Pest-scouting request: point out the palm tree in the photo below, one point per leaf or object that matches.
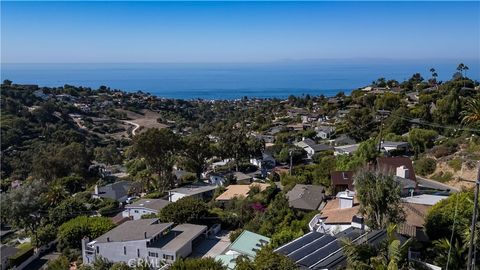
(446, 253)
(434, 76)
(391, 254)
(462, 68)
(55, 194)
(471, 115)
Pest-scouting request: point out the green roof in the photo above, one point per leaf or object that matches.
(248, 243)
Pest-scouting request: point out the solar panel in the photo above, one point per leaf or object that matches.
(299, 242)
(320, 254)
(311, 247)
(331, 262)
(350, 233)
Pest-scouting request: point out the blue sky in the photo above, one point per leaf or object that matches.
(111, 32)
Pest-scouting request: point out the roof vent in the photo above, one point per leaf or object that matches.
(108, 239)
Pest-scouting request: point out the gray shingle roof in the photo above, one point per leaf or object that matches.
(308, 197)
(115, 190)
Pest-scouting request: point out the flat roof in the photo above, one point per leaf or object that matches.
(179, 236)
(134, 230)
(154, 204)
(193, 189)
(425, 199)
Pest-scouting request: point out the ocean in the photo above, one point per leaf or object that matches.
(232, 80)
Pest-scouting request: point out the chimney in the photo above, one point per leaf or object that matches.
(403, 172)
(346, 199)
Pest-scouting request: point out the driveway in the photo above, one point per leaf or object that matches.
(213, 246)
(434, 184)
(42, 261)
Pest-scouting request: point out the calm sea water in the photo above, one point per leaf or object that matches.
(230, 81)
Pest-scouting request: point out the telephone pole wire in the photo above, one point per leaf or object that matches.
(471, 255)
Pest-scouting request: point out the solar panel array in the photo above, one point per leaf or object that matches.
(317, 250)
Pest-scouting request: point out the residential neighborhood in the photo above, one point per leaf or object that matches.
(304, 182)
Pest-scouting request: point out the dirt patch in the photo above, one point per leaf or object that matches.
(466, 172)
(145, 121)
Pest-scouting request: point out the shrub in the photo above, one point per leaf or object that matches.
(443, 150)
(60, 263)
(22, 255)
(154, 195)
(185, 210)
(425, 166)
(443, 176)
(71, 232)
(456, 164)
(198, 263)
(235, 234)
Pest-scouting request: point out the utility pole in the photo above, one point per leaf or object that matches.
(471, 254)
(381, 113)
(290, 169)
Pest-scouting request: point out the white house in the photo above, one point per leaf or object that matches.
(324, 132)
(218, 179)
(199, 191)
(389, 146)
(143, 239)
(144, 207)
(338, 215)
(311, 147)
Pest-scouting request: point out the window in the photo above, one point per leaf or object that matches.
(168, 257)
(98, 249)
(136, 211)
(124, 250)
(153, 254)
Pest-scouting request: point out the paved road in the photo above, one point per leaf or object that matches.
(434, 184)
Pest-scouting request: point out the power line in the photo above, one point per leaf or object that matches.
(422, 122)
(453, 230)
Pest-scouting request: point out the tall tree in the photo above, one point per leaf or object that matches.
(22, 206)
(197, 150)
(237, 145)
(379, 197)
(421, 139)
(158, 148)
(471, 114)
(434, 73)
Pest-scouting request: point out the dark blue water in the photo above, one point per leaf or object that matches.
(229, 81)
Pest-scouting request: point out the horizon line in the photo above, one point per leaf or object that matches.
(285, 60)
